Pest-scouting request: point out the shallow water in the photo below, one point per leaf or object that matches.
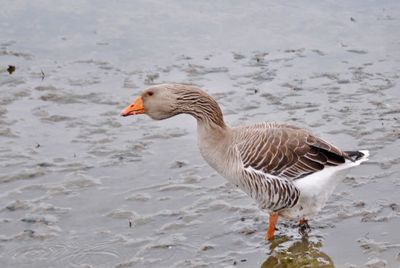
(75, 175)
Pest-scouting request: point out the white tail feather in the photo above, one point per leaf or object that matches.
(316, 188)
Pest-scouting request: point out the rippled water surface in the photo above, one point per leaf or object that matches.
(83, 187)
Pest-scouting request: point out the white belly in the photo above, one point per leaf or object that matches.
(316, 189)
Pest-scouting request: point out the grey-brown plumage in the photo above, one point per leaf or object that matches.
(280, 154)
(286, 169)
(286, 151)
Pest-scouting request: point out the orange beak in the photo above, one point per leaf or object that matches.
(135, 108)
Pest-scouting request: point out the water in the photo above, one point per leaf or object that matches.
(74, 174)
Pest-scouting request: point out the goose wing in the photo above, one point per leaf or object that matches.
(286, 151)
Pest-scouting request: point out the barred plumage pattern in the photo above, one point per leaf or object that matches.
(286, 151)
(273, 155)
(198, 104)
(270, 192)
(263, 159)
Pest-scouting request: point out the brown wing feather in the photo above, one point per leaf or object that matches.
(287, 151)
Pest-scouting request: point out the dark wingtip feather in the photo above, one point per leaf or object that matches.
(354, 155)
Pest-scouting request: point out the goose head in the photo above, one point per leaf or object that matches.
(167, 100)
(159, 102)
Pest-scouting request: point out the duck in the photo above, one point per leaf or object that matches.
(286, 169)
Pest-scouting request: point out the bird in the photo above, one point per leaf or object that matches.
(286, 169)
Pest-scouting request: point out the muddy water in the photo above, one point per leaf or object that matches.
(83, 187)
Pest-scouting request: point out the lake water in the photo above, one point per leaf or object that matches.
(81, 186)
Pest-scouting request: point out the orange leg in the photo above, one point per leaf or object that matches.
(273, 218)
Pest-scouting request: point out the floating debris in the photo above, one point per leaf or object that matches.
(179, 164)
(207, 247)
(11, 69)
(150, 78)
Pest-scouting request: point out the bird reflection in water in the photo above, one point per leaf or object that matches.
(299, 253)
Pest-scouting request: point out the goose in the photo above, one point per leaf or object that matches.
(286, 169)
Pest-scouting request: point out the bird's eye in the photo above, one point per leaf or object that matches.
(150, 93)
